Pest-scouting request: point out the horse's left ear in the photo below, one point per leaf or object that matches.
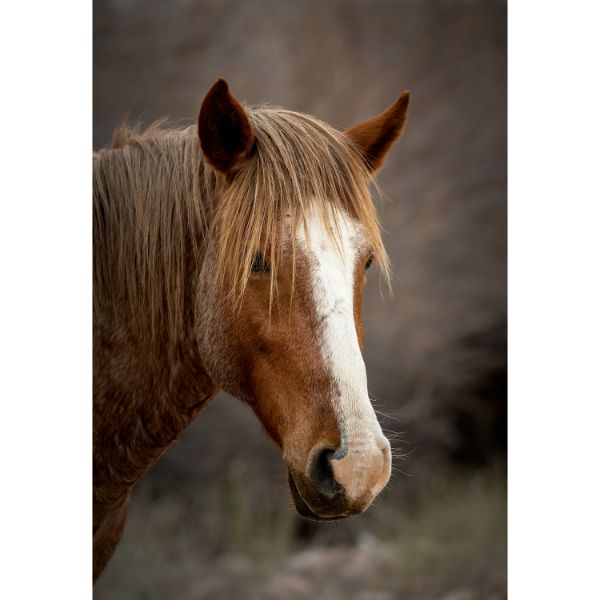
(226, 135)
(376, 135)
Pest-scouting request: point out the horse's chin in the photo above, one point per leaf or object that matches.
(304, 509)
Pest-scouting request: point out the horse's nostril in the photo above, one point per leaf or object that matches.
(320, 473)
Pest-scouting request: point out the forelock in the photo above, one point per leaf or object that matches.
(299, 166)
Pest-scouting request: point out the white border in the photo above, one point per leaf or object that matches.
(554, 299)
(45, 311)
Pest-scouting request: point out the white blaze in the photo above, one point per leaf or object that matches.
(332, 268)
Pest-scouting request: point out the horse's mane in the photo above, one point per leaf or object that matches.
(156, 202)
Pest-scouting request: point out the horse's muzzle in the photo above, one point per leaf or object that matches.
(336, 485)
(321, 508)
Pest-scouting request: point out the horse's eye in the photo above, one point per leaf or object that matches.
(259, 264)
(369, 263)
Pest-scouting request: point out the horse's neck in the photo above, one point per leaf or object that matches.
(145, 393)
(145, 396)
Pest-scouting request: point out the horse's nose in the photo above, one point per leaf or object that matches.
(357, 475)
(364, 470)
(320, 473)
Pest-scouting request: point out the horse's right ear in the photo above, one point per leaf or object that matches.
(226, 135)
(375, 136)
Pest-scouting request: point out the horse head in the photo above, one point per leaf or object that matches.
(279, 296)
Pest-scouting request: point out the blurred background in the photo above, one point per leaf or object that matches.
(213, 519)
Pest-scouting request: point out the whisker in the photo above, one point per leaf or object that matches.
(396, 470)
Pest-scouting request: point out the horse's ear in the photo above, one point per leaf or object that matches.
(226, 135)
(376, 135)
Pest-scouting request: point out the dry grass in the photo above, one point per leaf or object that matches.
(424, 539)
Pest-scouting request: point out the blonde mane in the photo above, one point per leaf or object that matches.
(157, 203)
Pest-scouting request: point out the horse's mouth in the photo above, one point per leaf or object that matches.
(302, 507)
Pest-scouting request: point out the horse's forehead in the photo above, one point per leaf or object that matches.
(333, 263)
(337, 240)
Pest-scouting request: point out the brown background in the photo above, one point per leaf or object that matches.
(212, 519)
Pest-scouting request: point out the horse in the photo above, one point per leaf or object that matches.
(232, 255)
